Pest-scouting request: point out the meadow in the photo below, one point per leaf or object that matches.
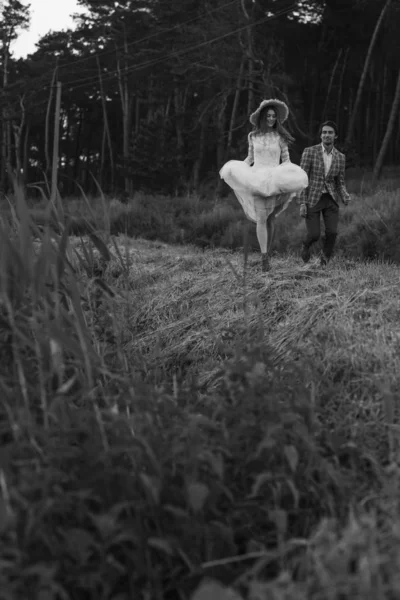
(175, 424)
(369, 226)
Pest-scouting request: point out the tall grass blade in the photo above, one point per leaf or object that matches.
(100, 245)
(106, 210)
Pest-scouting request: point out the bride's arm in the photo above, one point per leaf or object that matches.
(250, 155)
(284, 151)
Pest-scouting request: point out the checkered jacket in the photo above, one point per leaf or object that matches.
(312, 163)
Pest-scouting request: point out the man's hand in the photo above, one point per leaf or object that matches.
(303, 210)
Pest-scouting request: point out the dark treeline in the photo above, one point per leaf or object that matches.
(156, 94)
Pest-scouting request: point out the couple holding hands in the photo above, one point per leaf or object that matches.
(266, 181)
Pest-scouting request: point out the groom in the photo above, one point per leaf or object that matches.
(325, 167)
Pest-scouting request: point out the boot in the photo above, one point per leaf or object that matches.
(329, 244)
(265, 264)
(305, 253)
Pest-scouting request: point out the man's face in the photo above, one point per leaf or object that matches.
(328, 135)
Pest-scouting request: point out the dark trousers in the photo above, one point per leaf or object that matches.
(330, 214)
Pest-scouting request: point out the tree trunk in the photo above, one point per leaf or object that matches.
(18, 130)
(377, 110)
(294, 125)
(102, 157)
(267, 74)
(340, 92)
(315, 87)
(235, 104)
(9, 145)
(382, 106)
(250, 56)
(328, 93)
(221, 130)
(167, 108)
(4, 124)
(180, 108)
(397, 143)
(47, 126)
(351, 100)
(360, 89)
(137, 114)
(25, 160)
(200, 154)
(221, 141)
(77, 159)
(150, 100)
(106, 135)
(66, 185)
(368, 128)
(126, 105)
(389, 130)
(316, 84)
(250, 97)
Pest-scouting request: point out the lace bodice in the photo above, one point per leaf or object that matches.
(266, 150)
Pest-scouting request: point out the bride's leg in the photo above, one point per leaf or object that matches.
(270, 231)
(271, 222)
(262, 236)
(261, 229)
(261, 223)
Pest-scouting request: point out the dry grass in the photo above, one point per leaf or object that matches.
(183, 303)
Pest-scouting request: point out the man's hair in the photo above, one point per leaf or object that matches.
(329, 124)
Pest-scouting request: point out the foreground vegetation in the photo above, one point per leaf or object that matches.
(174, 424)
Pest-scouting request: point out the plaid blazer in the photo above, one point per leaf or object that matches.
(312, 163)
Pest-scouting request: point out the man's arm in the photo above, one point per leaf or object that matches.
(305, 164)
(340, 181)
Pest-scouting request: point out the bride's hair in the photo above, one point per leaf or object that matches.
(261, 126)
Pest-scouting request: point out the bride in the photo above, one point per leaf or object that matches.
(263, 185)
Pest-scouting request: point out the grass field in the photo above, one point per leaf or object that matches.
(369, 227)
(175, 424)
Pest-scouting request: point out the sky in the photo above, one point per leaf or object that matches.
(46, 15)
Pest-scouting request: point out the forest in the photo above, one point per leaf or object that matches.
(175, 423)
(156, 94)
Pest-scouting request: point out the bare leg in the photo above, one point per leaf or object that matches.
(262, 231)
(270, 231)
(262, 236)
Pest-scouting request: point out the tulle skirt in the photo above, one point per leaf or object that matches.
(262, 190)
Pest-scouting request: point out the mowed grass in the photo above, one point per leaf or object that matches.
(188, 311)
(176, 424)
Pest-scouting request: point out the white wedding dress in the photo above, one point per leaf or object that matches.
(262, 179)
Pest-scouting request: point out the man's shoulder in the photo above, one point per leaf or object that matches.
(340, 154)
(312, 148)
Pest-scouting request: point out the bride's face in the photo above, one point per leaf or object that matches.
(268, 117)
